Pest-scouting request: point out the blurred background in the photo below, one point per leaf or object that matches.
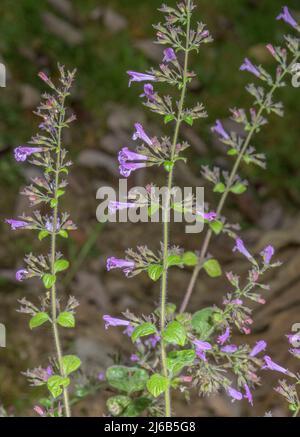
(103, 39)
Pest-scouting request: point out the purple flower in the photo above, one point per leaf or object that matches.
(116, 206)
(234, 394)
(267, 254)
(16, 224)
(126, 169)
(127, 155)
(112, 321)
(248, 66)
(248, 394)
(140, 77)
(128, 331)
(21, 153)
(20, 275)
(148, 91)
(49, 225)
(240, 247)
(101, 376)
(218, 128)
(169, 55)
(152, 341)
(39, 410)
(141, 134)
(210, 216)
(286, 16)
(202, 345)
(259, 347)
(295, 352)
(49, 371)
(116, 263)
(293, 338)
(134, 358)
(201, 355)
(224, 337)
(273, 366)
(229, 349)
(271, 50)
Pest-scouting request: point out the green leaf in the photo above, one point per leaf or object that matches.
(168, 165)
(56, 383)
(49, 280)
(38, 320)
(168, 118)
(66, 319)
(60, 265)
(200, 322)
(153, 208)
(157, 384)
(143, 330)
(219, 188)
(53, 203)
(137, 407)
(127, 379)
(189, 259)
(60, 193)
(43, 234)
(212, 268)
(175, 333)
(232, 152)
(174, 260)
(63, 233)
(238, 188)
(70, 363)
(177, 360)
(189, 120)
(117, 404)
(155, 271)
(216, 226)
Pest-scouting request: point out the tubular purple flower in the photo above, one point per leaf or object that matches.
(17, 224)
(259, 347)
(240, 247)
(169, 55)
(273, 366)
(20, 275)
(119, 206)
(127, 155)
(267, 254)
(202, 345)
(286, 16)
(129, 330)
(219, 129)
(248, 394)
(39, 410)
(140, 77)
(210, 216)
(229, 349)
(271, 50)
(134, 358)
(112, 321)
(148, 91)
(116, 263)
(224, 337)
(127, 168)
(49, 224)
(293, 338)
(21, 153)
(152, 341)
(234, 394)
(248, 66)
(295, 352)
(141, 134)
(200, 354)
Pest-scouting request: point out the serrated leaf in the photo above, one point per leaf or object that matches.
(38, 320)
(216, 226)
(43, 234)
(168, 118)
(175, 333)
(63, 233)
(174, 260)
(212, 268)
(200, 322)
(177, 360)
(60, 265)
(219, 188)
(56, 383)
(66, 319)
(127, 379)
(70, 364)
(189, 259)
(146, 328)
(155, 271)
(49, 280)
(136, 407)
(238, 188)
(157, 384)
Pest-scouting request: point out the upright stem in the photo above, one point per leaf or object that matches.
(53, 258)
(166, 209)
(221, 204)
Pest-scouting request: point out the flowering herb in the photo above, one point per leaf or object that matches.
(47, 152)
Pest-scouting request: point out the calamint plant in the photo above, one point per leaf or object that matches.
(178, 350)
(46, 151)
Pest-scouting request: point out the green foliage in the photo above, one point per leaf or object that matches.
(70, 364)
(127, 379)
(56, 383)
(177, 360)
(38, 320)
(66, 319)
(175, 333)
(155, 271)
(201, 322)
(60, 265)
(157, 384)
(143, 330)
(212, 268)
(190, 259)
(49, 280)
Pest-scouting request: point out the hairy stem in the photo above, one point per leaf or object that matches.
(166, 215)
(53, 258)
(227, 191)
